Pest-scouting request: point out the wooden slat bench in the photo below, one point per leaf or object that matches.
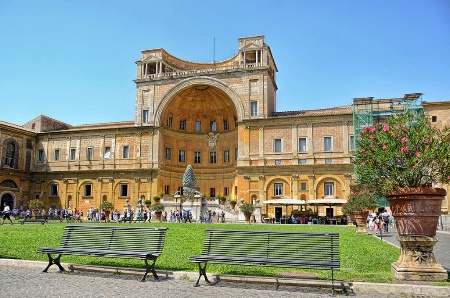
(34, 219)
(263, 248)
(109, 241)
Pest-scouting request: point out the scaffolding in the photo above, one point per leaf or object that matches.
(368, 111)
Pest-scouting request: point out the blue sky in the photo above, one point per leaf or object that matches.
(74, 60)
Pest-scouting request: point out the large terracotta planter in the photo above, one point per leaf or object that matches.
(35, 212)
(416, 211)
(158, 215)
(247, 217)
(361, 221)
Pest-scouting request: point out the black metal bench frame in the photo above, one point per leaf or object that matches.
(34, 219)
(109, 241)
(264, 248)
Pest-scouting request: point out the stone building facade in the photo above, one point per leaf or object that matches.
(219, 117)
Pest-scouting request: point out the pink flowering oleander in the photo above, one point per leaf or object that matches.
(404, 152)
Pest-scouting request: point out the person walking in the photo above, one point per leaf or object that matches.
(6, 213)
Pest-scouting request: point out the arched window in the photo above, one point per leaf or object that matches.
(10, 154)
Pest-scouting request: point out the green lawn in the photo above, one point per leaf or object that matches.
(363, 257)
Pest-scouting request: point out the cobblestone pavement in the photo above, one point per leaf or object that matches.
(31, 282)
(441, 249)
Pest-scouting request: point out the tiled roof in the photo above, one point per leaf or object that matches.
(343, 110)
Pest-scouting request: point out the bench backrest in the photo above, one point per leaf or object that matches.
(313, 247)
(136, 239)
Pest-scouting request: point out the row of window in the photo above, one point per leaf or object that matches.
(198, 155)
(89, 153)
(87, 190)
(123, 189)
(328, 188)
(197, 124)
(302, 145)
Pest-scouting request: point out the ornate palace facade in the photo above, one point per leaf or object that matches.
(219, 117)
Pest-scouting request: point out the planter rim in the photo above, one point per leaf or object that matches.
(418, 190)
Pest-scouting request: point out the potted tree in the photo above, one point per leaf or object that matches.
(404, 160)
(107, 207)
(222, 200)
(158, 208)
(36, 206)
(156, 199)
(359, 203)
(148, 202)
(233, 204)
(247, 209)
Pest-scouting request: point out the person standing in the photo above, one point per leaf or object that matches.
(6, 213)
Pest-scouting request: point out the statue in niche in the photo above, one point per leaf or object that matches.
(70, 204)
(212, 140)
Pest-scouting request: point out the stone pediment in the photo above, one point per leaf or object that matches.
(250, 46)
(151, 59)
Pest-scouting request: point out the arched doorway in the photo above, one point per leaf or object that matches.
(8, 199)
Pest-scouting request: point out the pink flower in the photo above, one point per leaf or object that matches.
(448, 177)
(404, 149)
(385, 128)
(426, 141)
(404, 140)
(372, 137)
(372, 129)
(416, 165)
(417, 154)
(437, 129)
(384, 147)
(361, 150)
(363, 163)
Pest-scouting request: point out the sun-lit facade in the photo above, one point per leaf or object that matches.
(219, 117)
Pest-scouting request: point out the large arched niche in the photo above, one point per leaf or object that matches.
(200, 95)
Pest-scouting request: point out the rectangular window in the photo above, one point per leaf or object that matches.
(198, 126)
(197, 157)
(41, 155)
(226, 191)
(212, 192)
(277, 145)
(166, 189)
(329, 188)
(226, 126)
(302, 144)
(302, 161)
(213, 126)
(327, 144)
(236, 153)
(53, 190)
(183, 125)
(126, 152)
(278, 189)
(433, 118)
(169, 121)
(123, 190)
(168, 153)
(328, 160)
(90, 153)
(303, 186)
(351, 143)
(73, 153)
(226, 156)
(144, 116)
(56, 154)
(107, 153)
(181, 155)
(278, 162)
(88, 190)
(253, 108)
(212, 157)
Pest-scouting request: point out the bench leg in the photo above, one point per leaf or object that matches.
(55, 261)
(150, 268)
(202, 272)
